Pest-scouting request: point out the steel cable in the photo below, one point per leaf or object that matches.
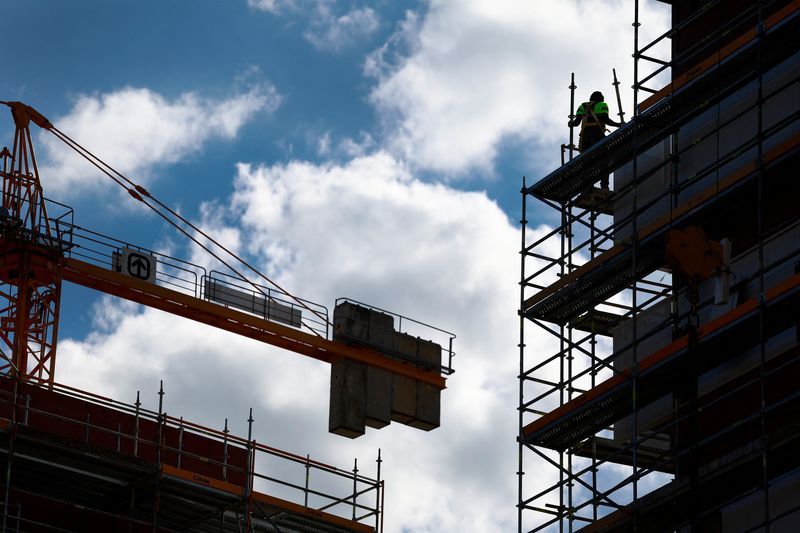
(140, 193)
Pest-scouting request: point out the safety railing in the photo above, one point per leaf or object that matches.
(265, 302)
(414, 328)
(240, 465)
(194, 280)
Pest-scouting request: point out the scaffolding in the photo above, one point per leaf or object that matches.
(657, 398)
(75, 461)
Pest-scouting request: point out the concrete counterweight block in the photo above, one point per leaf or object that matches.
(381, 330)
(348, 398)
(362, 395)
(415, 403)
(428, 409)
(404, 389)
(354, 323)
(351, 322)
(379, 397)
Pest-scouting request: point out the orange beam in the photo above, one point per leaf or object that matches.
(212, 314)
(661, 355)
(186, 475)
(282, 505)
(319, 515)
(718, 56)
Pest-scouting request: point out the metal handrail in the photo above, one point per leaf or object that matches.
(440, 336)
(365, 484)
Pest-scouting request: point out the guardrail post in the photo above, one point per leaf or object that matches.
(136, 427)
(159, 421)
(248, 482)
(355, 485)
(308, 475)
(378, 510)
(180, 442)
(225, 451)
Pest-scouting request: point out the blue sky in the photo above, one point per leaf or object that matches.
(349, 148)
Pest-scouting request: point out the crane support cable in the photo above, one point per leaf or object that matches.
(140, 193)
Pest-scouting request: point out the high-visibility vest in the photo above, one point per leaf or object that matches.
(588, 109)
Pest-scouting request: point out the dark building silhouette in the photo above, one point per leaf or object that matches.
(669, 397)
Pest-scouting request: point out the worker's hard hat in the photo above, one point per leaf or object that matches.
(597, 96)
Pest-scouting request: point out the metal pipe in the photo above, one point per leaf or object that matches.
(180, 442)
(136, 427)
(355, 485)
(159, 424)
(308, 475)
(225, 452)
(378, 494)
(250, 469)
(621, 113)
(572, 88)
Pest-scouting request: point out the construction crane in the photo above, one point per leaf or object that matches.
(379, 373)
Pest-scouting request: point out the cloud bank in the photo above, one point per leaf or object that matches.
(369, 230)
(137, 130)
(330, 28)
(456, 84)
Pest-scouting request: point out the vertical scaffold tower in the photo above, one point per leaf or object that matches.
(659, 321)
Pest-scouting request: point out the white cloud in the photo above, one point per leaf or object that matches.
(329, 28)
(135, 130)
(331, 32)
(324, 144)
(455, 85)
(272, 6)
(369, 230)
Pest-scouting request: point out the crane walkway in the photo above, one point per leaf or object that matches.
(245, 324)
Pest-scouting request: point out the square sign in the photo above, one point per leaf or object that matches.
(137, 265)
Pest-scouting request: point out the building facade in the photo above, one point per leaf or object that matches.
(667, 399)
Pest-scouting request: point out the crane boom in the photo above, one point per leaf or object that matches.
(247, 325)
(379, 373)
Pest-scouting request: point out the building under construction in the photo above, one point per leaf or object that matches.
(75, 461)
(669, 399)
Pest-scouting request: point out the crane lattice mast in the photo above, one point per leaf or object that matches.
(31, 260)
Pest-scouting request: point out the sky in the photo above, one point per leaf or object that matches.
(367, 149)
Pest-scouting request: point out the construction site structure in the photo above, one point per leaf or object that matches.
(42, 246)
(77, 462)
(669, 395)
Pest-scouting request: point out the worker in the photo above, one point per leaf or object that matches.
(592, 116)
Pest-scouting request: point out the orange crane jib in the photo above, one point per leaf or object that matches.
(35, 258)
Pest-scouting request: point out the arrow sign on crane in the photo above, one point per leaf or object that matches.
(136, 264)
